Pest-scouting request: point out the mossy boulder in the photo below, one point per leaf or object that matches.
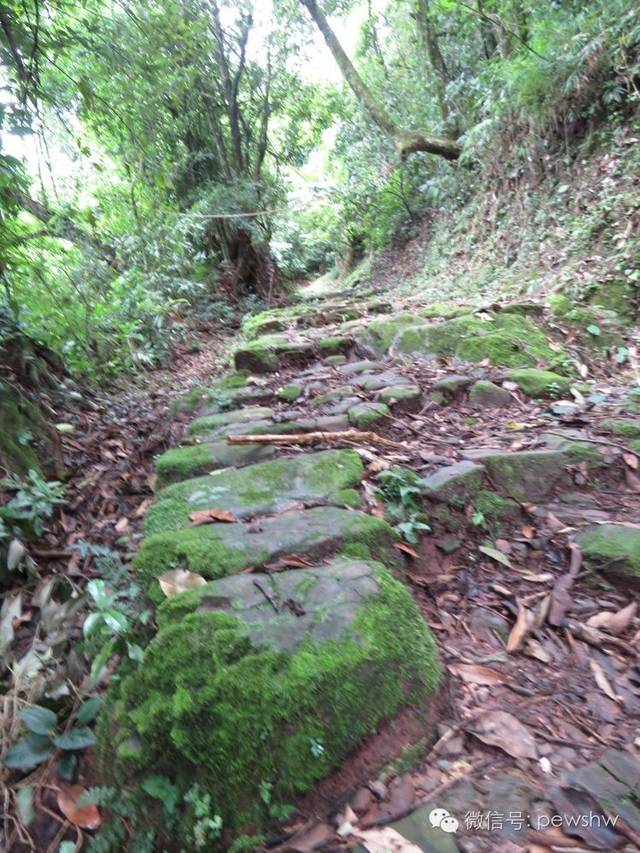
(539, 383)
(402, 398)
(290, 393)
(367, 415)
(487, 395)
(528, 475)
(494, 507)
(228, 392)
(380, 334)
(364, 366)
(335, 394)
(215, 550)
(269, 680)
(209, 423)
(598, 328)
(182, 463)
(377, 381)
(503, 339)
(627, 427)
(450, 386)
(329, 476)
(612, 548)
(270, 352)
(455, 484)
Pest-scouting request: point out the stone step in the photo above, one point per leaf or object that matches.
(183, 463)
(270, 680)
(270, 353)
(214, 550)
(327, 477)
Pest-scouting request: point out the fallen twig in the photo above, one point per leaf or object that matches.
(352, 435)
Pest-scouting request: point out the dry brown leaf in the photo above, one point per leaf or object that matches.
(520, 630)
(614, 622)
(208, 516)
(402, 546)
(295, 561)
(631, 460)
(476, 674)
(536, 650)
(528, 531)
(179, 580)
(601, 680)
(498, 728)
(86, 817)
(123, 525)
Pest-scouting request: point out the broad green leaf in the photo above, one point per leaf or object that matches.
(39, 720)
(88, 711)
(24, 802)
(67, 766)
(29, 752)
(78, 738)
(496, 555)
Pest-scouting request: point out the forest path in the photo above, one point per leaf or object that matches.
(525, 496)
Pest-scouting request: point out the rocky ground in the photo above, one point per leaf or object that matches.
(395, 560)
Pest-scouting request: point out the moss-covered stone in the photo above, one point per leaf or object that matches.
(612, 548)
(404, 398)
(290, 392)
(267, 353)
(209, 423)
(236, 696)
(598, 328)
(364, 366)
(527, 475)
(268, 487)
(367, 415)
(494, 507)
(616, 296)
(22, 430)
(504, 339)
(181, 463)
(337, 344)
(380, 334)
(626, 427)
(334, 360)
(455, 484)
(215, 550)
(222, 393)
(453, 385)
(335, 394)
(539, 383)
(443, 310)
(485, 394)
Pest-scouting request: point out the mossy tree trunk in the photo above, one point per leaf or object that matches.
(407, 140)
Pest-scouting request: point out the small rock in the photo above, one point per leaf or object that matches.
(378, 789)
(487, 395)
(361, 800)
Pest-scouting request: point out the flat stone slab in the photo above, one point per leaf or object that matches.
(182, 463)
(215, 550)
(355, 367)
(209, 423)
(321, 423)
(272, 352)
(329, 476)
(612, 548)
(271, 677)
(456, 484)
(538, 383)
(377, 381)
(527, 475)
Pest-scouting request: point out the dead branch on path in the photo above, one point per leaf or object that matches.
(303, 438)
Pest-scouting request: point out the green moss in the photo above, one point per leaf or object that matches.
(622, 426)
(366, 415)
(198, 396)
(612, 547)
(179, 463)
(559, 305)
(380, 334)
(210, 423)
(442, 310)
(579, 453)
(335, 394)
(262, 488)
(505, 339)
(596, 327)
(290, 392)
(399, 394)
(538, 383)
(208, 706)
(22, 430)
(616, 296)
(493, 506)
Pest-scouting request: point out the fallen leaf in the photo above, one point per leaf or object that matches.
(504, 546)
(15, 554)
(295, 561)
(144, 506)
(208, 516)
(520, 630)
(614, 623)
(631, 460)
(402, 546)
(11, 610)
(528, 532)
(496, 555)
(123, 525)
(602, 680)
(536, 650)
(179, 580)
(560, 598)
(86, 817)
(498, 728)
(476, 674)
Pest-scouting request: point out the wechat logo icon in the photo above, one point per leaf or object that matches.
(443, 820)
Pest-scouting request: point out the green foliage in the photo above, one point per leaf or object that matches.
(401, 493)
(46, 733)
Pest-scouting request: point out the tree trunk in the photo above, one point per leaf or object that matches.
(438, 65)
(407, 140)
